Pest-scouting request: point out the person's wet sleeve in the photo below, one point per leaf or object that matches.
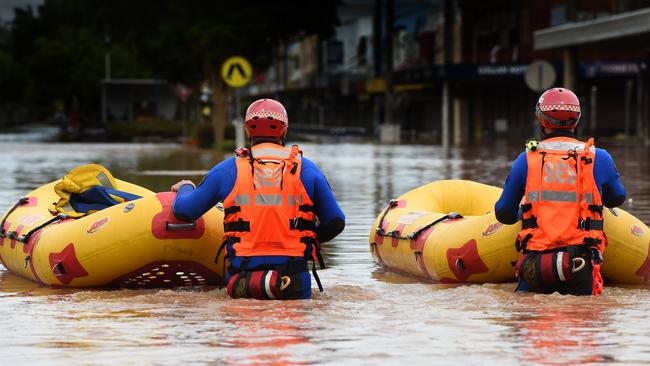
(507, 207)
(330, 216)
(608, 178)
(191, 203)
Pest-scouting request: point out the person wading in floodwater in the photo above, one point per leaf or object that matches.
(564, 184)
(272, 198)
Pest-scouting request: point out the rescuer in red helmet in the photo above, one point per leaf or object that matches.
(564, 184)
(278, 209)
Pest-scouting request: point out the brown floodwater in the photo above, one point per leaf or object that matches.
(365, 316)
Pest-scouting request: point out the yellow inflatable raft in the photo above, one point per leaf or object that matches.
(446, 231)
(132, 244)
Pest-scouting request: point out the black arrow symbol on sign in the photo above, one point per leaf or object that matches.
(232, 68)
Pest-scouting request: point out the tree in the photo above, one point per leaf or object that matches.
(195, 38)
(179, 41)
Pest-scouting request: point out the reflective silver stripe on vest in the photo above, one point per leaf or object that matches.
(291, 200)
(533, 196)
(563, 146)
(558, 196)
(242, 200)
(271, 153)
(589, 198)
(268, 199)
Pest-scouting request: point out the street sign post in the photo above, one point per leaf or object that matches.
(540, 76)
(236, 71)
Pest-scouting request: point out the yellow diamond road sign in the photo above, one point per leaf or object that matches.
(236, 71)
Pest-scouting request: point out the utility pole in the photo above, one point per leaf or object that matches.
(377, 62)
(376, 39)
(389, 121)
(107, 75)
(569, 53)
(448, 12)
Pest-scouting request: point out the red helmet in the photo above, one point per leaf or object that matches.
(558, 108)
(266, 118)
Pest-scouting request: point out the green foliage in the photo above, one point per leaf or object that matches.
(59, 53)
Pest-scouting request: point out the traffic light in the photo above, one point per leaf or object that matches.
(205, 100)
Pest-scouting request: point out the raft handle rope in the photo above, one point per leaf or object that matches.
(286, 281)
(416, 234)
(391, 204)
(180, 227)
(21, 201)
(13, 235)
(449, 216)
(580, 266)
(25, 238)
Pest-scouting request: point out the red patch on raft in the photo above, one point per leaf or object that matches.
(19, 228)
(378, 238)
(465, 261)
(400, 204)
(4, 228)
(418, 248)
(31, 202)
(65, 265)
(29, 246)
(644, 270)
(29, 249)
(159, 221)
(398, 230)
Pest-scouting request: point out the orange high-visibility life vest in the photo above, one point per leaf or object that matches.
(268, 211)
(562, 205)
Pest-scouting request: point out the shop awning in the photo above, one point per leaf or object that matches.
(601, 29)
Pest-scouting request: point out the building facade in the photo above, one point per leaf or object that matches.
(453, 71)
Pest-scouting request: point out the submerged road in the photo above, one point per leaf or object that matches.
(365, 316)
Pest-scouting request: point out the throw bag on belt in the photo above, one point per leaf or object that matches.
(87, 189)
(261, 285)
(542, 269)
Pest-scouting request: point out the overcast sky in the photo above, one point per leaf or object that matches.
(7, 8)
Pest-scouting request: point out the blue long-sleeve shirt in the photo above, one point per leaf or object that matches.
(191, 203)
(605, 174)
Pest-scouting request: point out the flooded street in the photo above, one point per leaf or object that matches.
(364, 317)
